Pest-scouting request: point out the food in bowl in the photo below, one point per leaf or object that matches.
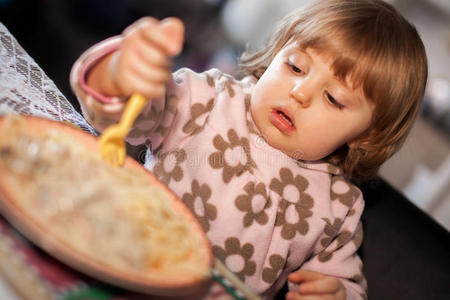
(114, 216)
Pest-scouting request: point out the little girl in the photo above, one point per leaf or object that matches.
(265, 162)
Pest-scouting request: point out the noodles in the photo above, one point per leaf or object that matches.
(110, 214)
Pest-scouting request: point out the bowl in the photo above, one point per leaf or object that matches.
(38, 231)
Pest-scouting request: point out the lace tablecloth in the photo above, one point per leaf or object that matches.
(26, 272)
(26, 89)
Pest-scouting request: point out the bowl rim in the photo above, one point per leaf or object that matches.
(35, 231)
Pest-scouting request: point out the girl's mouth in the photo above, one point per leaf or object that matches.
(281, 120)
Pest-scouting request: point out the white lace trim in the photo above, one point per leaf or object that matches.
(26, 89)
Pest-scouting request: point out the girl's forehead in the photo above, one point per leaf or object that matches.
(326, 57)
(326, 53)
(294, 43)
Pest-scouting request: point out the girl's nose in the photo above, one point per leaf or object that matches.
(301, 94)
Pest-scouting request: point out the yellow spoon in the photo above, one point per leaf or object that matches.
(112, 140)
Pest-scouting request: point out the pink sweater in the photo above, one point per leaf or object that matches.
(265, 213)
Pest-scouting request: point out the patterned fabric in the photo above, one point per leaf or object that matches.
(265, 213)
(26, 89)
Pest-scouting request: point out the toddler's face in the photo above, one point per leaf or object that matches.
(303, 109)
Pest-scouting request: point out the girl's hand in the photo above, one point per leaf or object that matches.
(142, 63)
(313, 285)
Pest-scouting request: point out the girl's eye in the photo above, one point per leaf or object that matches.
(334, 101)
(294, 68)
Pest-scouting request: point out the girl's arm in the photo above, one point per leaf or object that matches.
(99, 78)
(142, 63)
(335, 272)
(137, 61)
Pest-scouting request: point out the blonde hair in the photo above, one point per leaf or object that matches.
(377, 50)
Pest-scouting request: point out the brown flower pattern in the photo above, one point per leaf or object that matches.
(223, 81)
(197, 202)
(197, 111)
(330, 231)
(249, 121)
(155, 117)
(236, 257)
(233, 156)
(168, 166)
(270, 274)
(295, 204)
(341, 240)
(254, 203)
(170, 108)
(359, 234)
(342, 191)
(227, 84)
(210, 80)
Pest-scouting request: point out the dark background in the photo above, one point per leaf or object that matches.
(56, 32)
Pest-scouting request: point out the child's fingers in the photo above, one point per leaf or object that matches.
(133, 82)
(297, 296)
(151, 55)
(167, 35)
(326, 285)
(143, 61)
(304, 275)
(149, 71)
(142, 24)
(174, 29)
(313, 285)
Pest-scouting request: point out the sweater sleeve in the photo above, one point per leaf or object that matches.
(338, 257)
(102, 111)
(185, 93)
(99, 110)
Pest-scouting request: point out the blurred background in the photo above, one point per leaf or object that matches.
(56, 32)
